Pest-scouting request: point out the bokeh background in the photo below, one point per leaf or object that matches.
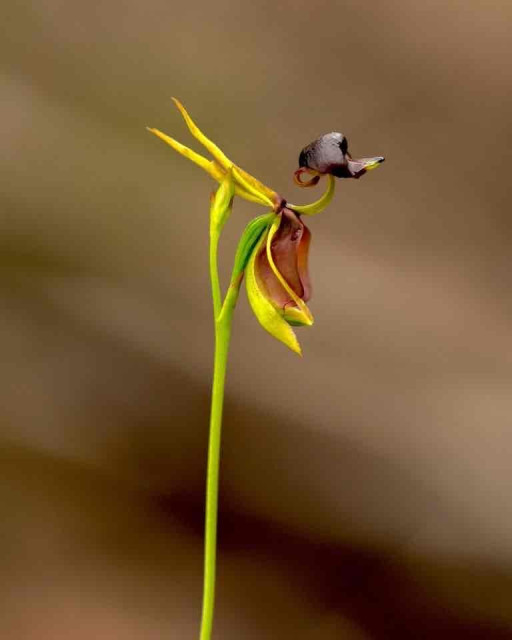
(366, 488)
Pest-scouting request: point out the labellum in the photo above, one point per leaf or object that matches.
(328, 155)
(278, 284)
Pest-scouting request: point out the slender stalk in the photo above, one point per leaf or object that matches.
(214, 276)
(223, 318)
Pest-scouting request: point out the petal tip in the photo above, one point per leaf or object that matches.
(298, 351)
(290, 341)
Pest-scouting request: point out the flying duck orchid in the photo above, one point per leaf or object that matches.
(273, 252)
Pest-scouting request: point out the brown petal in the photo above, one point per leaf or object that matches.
(285, 249)
(289, 250)
(268, 281)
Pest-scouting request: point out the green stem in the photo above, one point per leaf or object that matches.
(214, 275)
(223, 319)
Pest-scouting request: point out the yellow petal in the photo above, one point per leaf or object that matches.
(208, 165)
(247, 181)
(220, 157)
(242, 193)
(241, 177)
(268, 316)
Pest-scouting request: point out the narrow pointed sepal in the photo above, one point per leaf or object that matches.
(209, 166)
(268, 316)
(219, 156)
(247, 186)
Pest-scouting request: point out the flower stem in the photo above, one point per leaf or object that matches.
(223, 318)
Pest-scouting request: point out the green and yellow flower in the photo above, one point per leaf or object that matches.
(277, 279)
(246, 186)
(273, 251)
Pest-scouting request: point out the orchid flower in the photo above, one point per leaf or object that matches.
(273, 255)
(277, 278)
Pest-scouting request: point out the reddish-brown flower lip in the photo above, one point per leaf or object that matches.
(289, 249)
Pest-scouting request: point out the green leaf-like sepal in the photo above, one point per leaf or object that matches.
(222, 203)
(268, 316)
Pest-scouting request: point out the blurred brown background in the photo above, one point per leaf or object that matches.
(366, 487)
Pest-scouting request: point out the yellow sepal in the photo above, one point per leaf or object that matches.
(248, 182)
(210, 146)
(251, 186)
(222, 203)
(209, 166)
(268, 316)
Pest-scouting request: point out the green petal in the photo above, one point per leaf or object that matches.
(250, 237)
(222, 204)
(268, 316)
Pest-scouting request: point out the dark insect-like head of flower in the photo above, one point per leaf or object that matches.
(273, 251)
(329, 155)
